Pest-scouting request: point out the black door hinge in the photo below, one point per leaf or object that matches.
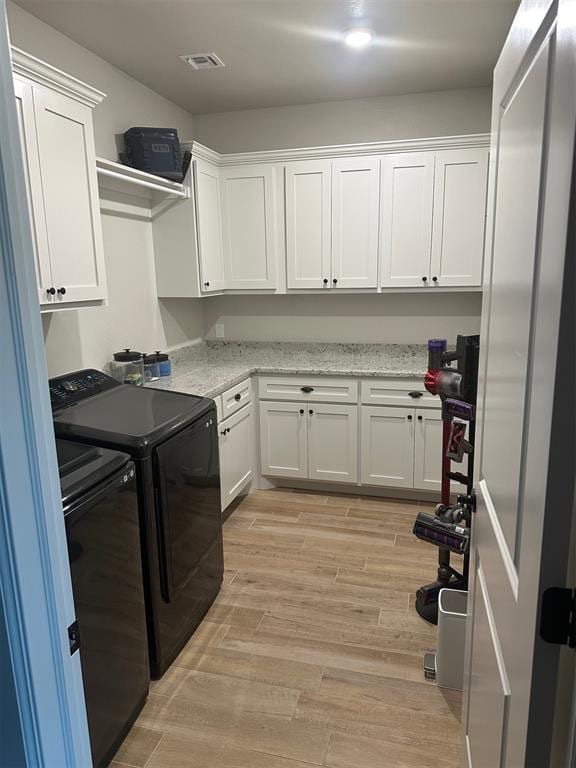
(74, 637)
(558, 616)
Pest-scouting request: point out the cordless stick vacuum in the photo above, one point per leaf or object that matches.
(448, 527)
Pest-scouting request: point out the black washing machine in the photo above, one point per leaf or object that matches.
(172, 439)
(102, 531)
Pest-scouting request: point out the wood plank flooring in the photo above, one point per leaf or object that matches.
(312, 653)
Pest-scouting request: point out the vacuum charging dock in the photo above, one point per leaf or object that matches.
(449, 526)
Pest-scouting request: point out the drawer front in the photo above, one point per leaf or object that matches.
(236, 397)
(409, 393)
(308, 389)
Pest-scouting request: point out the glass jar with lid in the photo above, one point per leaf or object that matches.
(128, 367)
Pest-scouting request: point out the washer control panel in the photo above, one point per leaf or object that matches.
(74, 387)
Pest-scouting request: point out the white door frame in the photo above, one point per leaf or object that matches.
(550, 407)
(35, 587)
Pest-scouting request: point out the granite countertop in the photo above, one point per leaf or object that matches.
(210, 367)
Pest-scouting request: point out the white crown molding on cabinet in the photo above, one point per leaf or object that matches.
(38, 71)
(470, 141)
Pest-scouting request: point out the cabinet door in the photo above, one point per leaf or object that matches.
(459, 217)
(355, 204)
(70, 193)
(235, 454)
(308, 224)
(249, 226)
(406, 219)
(333, 443)
(283, 439)
(428, 451)
(387, 456)
(29, 144)
(209, 226)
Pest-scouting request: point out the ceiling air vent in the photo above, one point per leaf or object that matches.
(203, 60)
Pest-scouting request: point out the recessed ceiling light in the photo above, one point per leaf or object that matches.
(358, 38)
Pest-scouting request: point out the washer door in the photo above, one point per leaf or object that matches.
(189, 522)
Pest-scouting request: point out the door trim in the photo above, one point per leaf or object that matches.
(36, 590)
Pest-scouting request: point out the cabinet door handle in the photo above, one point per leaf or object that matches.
(420, 418)
(223, 432)
(415, 394)
(301, 410)
(335, 281)
(310, 411)
(307, 389)
(51, 290)
(237, 396)
(409, 417)
(61, 291)
(424, 279)
(325, 281)
(206, 285)
(434, 279)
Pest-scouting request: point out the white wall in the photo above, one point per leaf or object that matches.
(385, 318)
(417, 115)
(128, 101)
(133, 316)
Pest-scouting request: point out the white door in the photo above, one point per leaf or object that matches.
(428, 452)
(524, 477)
(387, 446)
(355, 205)
(33, 179)
(333, 442)
(249, 226)
(460, 181)
(209, 226)
(71, 201)
(308, 224)
(235, 454)
(284, 439)
(406, 219)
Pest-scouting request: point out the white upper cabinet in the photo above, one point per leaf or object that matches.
(308, 224)
(249, 226)
(209, 226)
(406, 219)
(55, 120)
(27, 126)
(71, 201)
(355, 203)
(459, 217)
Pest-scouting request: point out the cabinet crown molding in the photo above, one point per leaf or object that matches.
(38, 71)
(468, 141)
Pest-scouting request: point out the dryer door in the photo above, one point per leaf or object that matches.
(187, 480)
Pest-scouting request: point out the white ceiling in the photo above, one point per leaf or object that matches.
(280, 52)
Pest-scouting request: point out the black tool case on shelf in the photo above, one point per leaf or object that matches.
(154, 150)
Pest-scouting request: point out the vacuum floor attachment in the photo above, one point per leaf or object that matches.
(452, 536)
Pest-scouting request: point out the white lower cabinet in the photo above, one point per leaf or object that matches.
(428, 450)
(236, 460)
(387, 454)
(284, 439)
(333, 443)
(392, 445)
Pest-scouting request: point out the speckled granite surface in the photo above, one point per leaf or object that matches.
(209, 368)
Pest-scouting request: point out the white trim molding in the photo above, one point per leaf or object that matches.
(115, 176)
(470, 141)
(38, 71)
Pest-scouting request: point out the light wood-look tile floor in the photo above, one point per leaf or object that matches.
(312, 653)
